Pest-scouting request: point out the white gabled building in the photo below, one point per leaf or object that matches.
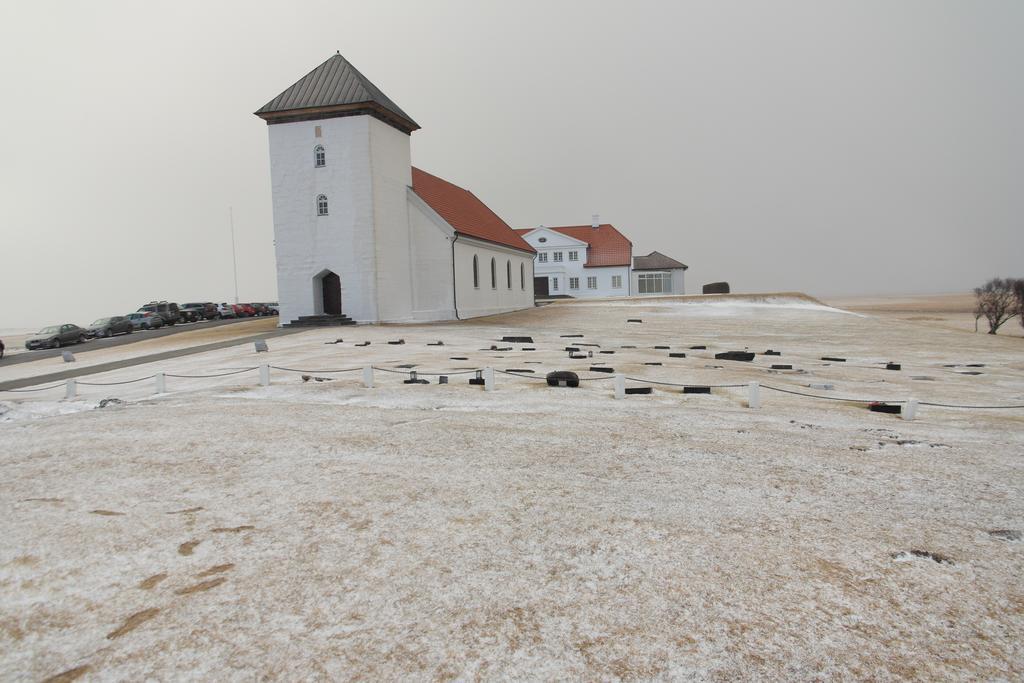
(580, 260)
(359, 233)
(658, 274)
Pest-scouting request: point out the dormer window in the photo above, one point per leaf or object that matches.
(319, 156)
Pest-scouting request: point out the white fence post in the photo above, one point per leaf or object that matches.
(368, 376)
(753, 395)
(909, 411)
(72, 389)
(265, 375)
(488, 379)
(620, 386)
(161, 384)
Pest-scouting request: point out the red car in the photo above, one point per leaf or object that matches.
(244, 311)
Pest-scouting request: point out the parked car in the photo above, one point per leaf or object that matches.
(189, 315)
(247, 310)
(226, 311)
(261, 309)
(273, 308)
(56, 336)
(168, 311)
(203, 311)
(145, 320)
(107, 327)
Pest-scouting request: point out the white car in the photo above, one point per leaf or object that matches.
(226, 311)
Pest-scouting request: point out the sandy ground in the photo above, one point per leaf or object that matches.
(323, 530)
(952, 311)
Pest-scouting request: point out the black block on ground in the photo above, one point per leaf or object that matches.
(893, 366)
(594, 368)
(563, 378)
(744, 356)
(696, 390)
(634, 320)
(769, 352)
(698, 347)
(677, 355)
(892, 408)
(652, 363)
(638, 390)
(833, 359)
(518, 340)
(782, 367)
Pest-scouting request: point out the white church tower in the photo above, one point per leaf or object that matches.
(340, 172)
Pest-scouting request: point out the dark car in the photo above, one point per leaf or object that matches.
(168, 311)
(261, 309)
(108, 327)
(55, 337)
(203, 311)
(189, 315)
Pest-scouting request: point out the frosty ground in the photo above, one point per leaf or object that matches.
(324, 530)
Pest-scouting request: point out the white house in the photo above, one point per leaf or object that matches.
(658, 274)
(580, 260)
(359, 233)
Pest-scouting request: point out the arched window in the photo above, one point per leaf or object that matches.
(321, 205)
(319, 156)
(494, 274)
(522, 276)
(508, 273)
(476, 272)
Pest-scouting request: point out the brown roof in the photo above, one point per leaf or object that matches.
(606, 245)
(656, 261)
(464, 212)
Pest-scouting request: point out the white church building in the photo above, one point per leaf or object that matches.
(362, 235)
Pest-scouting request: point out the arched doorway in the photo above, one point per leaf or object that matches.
(327, 291)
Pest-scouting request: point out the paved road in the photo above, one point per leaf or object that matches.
(120, 340)
(140, 360)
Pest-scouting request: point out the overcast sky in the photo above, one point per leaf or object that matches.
(831, 147)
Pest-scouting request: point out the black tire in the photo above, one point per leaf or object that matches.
(81, 339)
(108, 333)
(129, 330)
(56, 343)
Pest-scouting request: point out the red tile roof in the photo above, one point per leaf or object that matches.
(607, 246)
(464, 212)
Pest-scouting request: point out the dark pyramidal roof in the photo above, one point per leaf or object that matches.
(656, 261)
(335, 88)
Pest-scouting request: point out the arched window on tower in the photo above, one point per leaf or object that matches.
(494, 274)
(522, 276)
(508, 273)
(321, 205)
(476, 272)
(319, 156)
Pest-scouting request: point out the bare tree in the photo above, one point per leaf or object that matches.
(997, 302)
(1018, 291)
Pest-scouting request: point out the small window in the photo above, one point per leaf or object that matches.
(574, 283)
(494, 274)
(522, 276)
(321, 205)
(557, 256)
(616, 282)
(476, 272)
(574, 256)
(508, 273)
(542, 257)
(554, 284)
(319, 156)
(592, 282)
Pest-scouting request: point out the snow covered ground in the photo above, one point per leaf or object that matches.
(312, 529)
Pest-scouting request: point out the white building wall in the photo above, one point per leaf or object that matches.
(431, 241)
(391, 168)
(343, 241)
(485, 299)
(677, 275)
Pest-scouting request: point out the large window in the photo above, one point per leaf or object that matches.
(476, 272)
(508, 273)
(654, 283)
(522, 276)
(542, 257)
(556, 256)
(321, 205)
(319, 156)
(574, 255)
(592, 282)
(616, 282)
(554, 284)
(494, 274)
(574, 283)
